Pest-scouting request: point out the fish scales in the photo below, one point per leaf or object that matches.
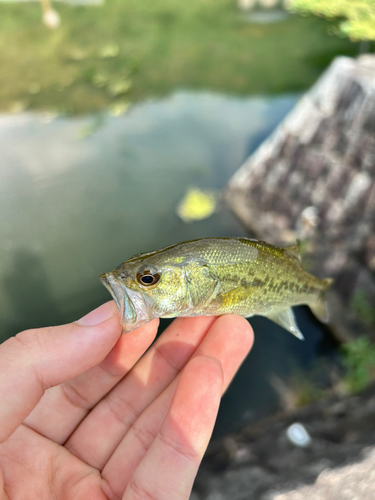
(215, 276)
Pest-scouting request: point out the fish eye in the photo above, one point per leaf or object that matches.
(147, 278)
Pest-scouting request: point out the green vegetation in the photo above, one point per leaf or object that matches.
(359, 359)
(358, 15)
(126, 50)
(362, 308)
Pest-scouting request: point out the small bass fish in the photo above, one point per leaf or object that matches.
(215, 276)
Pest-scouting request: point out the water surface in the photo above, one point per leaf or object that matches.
(78, 196)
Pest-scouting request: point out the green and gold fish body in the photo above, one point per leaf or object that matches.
(215, 276)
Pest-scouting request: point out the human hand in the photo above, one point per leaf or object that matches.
(87, 414)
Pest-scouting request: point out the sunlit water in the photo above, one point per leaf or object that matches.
(80, 195)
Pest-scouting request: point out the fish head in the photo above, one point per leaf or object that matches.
(144, 289)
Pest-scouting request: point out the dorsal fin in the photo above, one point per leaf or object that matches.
(294, 251)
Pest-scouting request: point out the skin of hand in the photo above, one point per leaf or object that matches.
(87, 413)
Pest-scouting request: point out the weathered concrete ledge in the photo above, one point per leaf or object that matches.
(313, 179)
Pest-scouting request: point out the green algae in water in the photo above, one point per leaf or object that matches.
(158, 47)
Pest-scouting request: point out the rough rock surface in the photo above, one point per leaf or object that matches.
(353, 482)
(260, 463)
(314, 179)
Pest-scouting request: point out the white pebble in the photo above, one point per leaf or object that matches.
(298, 435)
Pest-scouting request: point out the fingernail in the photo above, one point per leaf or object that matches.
(98, 315)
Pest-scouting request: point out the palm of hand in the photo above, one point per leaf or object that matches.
(131, 425)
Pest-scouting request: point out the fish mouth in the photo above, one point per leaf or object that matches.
(115, 290)
(130, 304)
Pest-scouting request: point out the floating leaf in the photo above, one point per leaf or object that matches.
(119, 108)
(100, 79)
(119, 87)
(110, 50)
(197, 205)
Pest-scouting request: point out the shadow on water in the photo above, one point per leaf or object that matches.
(29, 294)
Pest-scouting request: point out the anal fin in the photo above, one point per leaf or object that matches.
(287, 320)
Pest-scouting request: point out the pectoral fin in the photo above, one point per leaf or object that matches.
(287, 320)
(236, 296)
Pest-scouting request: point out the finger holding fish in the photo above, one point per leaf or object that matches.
(229, 340)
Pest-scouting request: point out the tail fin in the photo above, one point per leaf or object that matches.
(319, 308)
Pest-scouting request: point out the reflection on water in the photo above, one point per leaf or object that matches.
(80, 195)
(120, 52)
(82, 206)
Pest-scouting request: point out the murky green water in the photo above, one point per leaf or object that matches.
(81, 190)
(74, 205)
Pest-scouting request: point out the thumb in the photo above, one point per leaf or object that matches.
(35, 360)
